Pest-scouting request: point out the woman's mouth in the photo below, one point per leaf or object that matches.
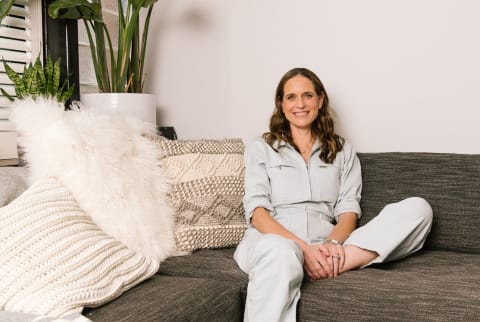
(303, 113)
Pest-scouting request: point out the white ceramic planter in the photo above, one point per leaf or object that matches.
(142, 106)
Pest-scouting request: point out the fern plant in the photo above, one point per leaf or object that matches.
(38, 81)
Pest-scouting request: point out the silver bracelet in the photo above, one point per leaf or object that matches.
(332, 241)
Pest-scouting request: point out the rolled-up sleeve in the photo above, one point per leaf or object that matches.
(350, 184)
(257, 184)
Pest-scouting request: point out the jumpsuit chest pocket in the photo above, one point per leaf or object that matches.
(285, 180)
(325, 181)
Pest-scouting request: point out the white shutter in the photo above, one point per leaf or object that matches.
(20, 40)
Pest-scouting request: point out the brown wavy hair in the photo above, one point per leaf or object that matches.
(323, 126)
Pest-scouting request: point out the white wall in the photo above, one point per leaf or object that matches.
(401, 75)
(188, 67)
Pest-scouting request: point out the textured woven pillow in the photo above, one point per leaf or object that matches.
(207, 191)
(54, 260)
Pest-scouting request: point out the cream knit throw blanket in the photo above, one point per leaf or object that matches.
(54, 260)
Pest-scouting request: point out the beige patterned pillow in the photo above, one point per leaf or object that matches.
(207, 191)
(55, 260)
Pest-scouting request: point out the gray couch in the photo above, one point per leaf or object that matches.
(439, 283)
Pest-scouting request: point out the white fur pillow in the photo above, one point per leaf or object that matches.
(55, 260)
(108, 164)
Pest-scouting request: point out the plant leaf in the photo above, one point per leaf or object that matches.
(28, 75)
(124, 49)
(5, 6)
(34, 86)
(49, 74)
(141, 3)
(37, 81)
(56, 77)
(63, 97)
(75, 9)
(42, 80)
(12, 75)
(141, 59)
(6, 95)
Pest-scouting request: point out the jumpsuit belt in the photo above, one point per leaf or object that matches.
(310, 224)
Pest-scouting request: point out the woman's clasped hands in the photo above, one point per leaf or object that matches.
(323, 260)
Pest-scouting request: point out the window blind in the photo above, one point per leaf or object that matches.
(20, 41)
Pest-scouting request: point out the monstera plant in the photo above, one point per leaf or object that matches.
(118, 63)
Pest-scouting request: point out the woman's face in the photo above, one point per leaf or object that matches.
(300, 102)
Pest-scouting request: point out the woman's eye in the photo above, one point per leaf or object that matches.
(308, 95)
(290, 97)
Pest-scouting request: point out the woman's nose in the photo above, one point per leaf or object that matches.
(301, 103)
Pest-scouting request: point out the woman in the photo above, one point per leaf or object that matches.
(302, 192)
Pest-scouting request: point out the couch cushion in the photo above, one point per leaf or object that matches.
(206, 263)
(13, 182)
(433, 286)
(449, 182)
(168, 298)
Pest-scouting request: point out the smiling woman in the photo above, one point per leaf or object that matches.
(303, 185)
(300, 105)
(307, 84)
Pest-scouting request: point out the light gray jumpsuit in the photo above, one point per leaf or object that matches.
(307, 199)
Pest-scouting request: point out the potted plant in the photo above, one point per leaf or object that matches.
(118, 69)
(39, 84)
(38, 81)
(35, 80)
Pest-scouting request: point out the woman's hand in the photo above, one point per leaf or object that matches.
(315, 263)
(334, 251)
(335, 254)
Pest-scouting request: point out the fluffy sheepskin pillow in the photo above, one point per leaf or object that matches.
(109, 165)
(55, 260)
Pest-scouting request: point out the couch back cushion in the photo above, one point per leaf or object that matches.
(449, 182)
(13, 181)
